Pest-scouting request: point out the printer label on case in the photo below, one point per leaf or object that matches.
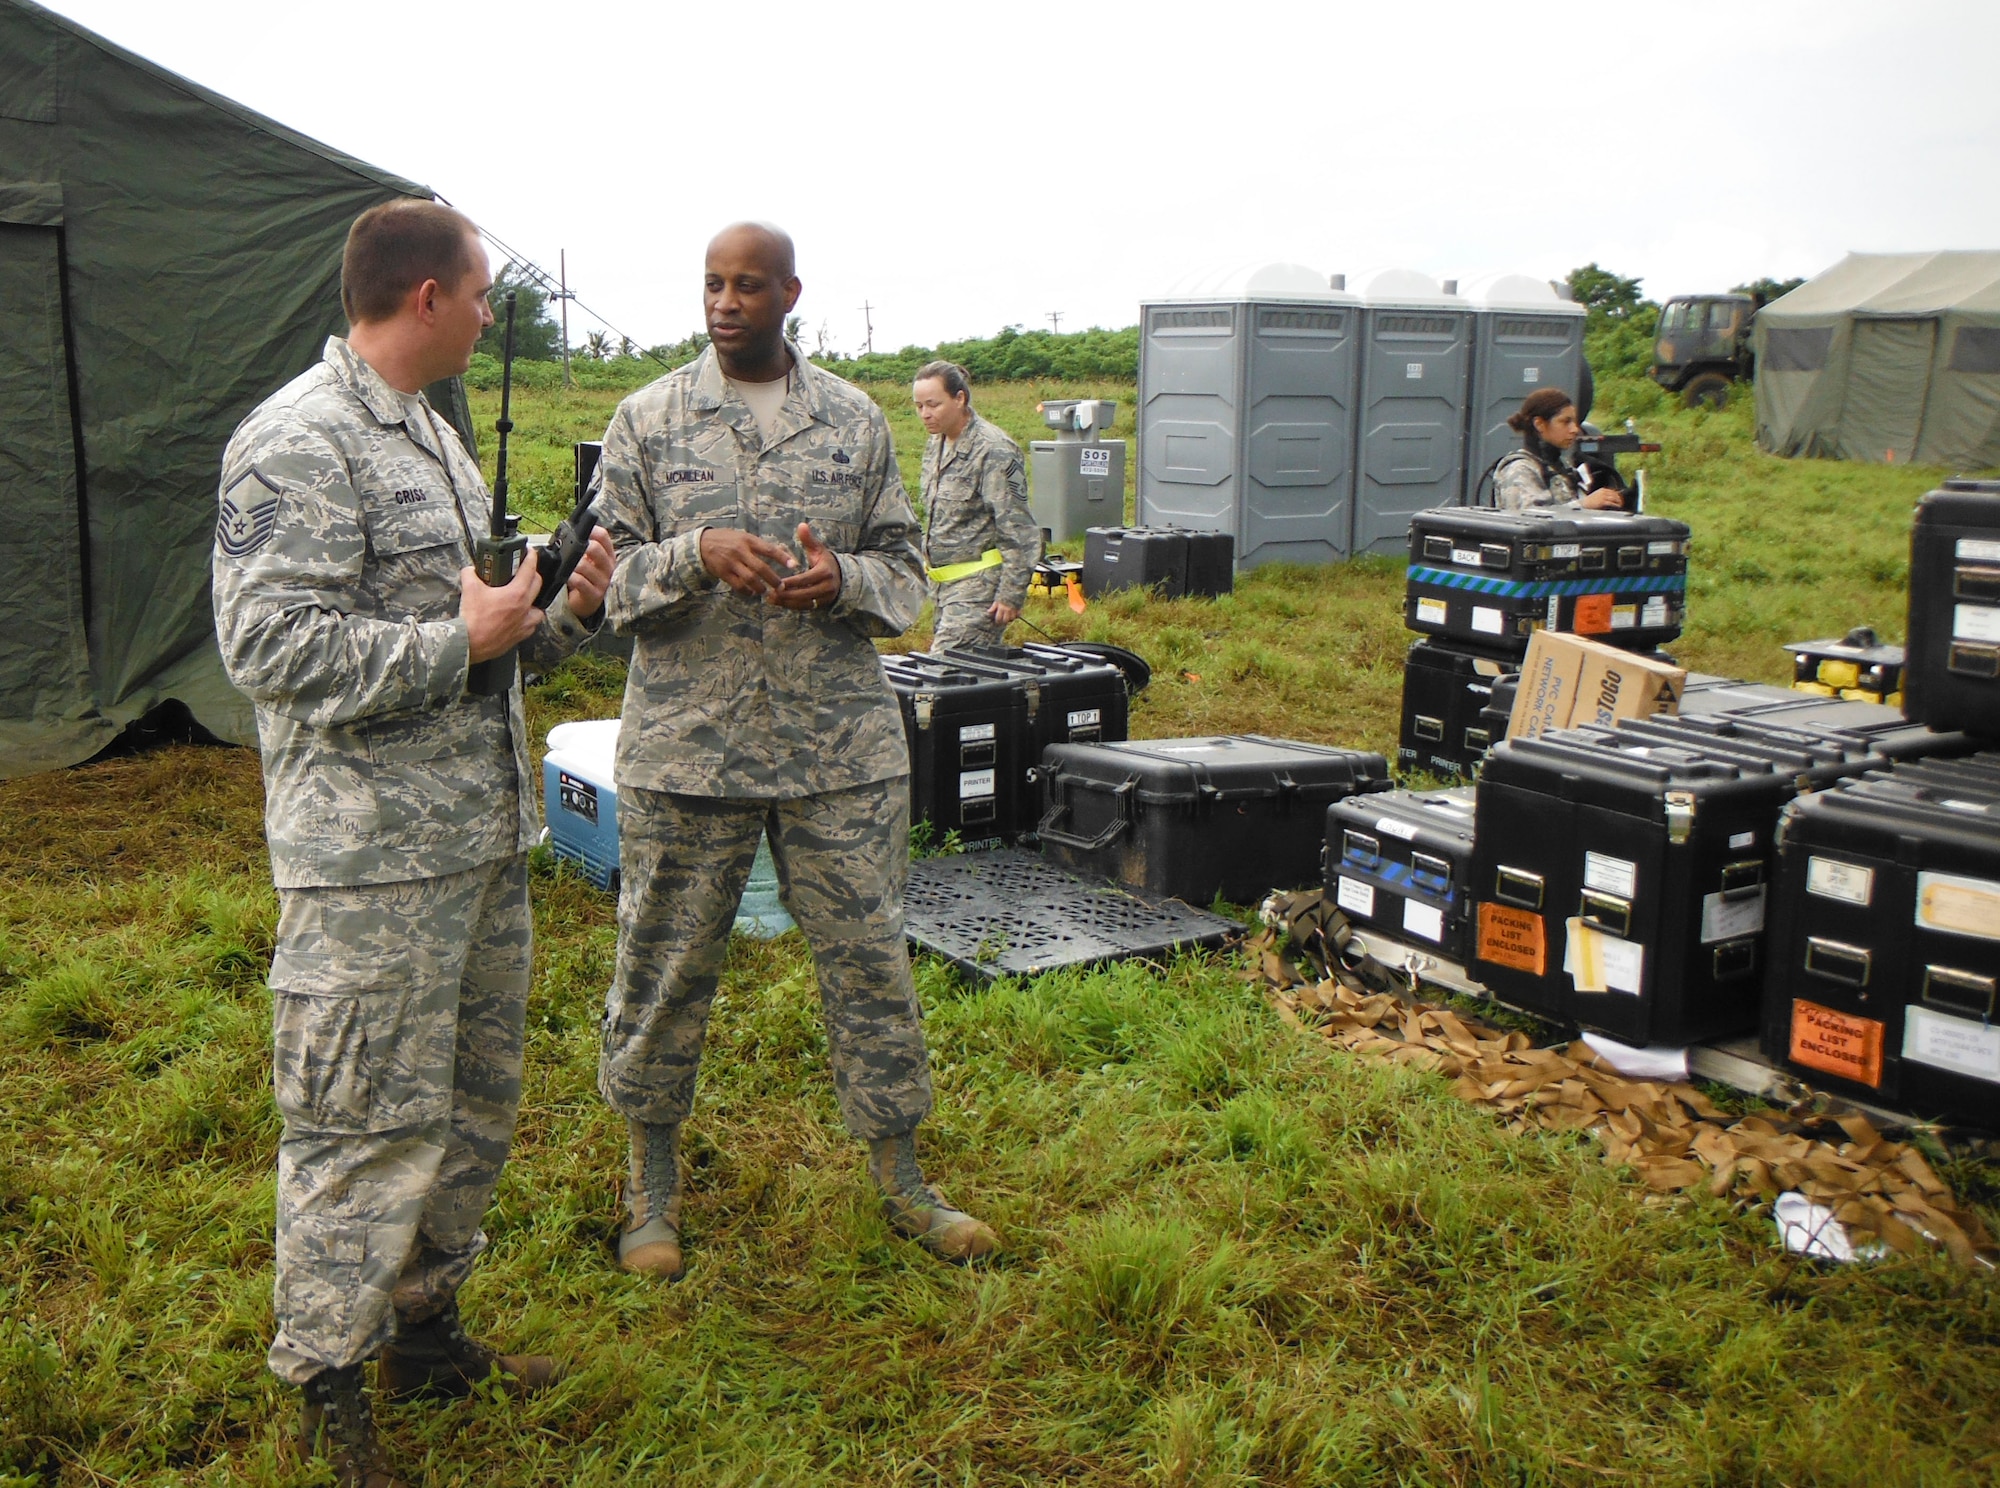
(975, 783)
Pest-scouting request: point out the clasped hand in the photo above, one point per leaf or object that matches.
(751, 566)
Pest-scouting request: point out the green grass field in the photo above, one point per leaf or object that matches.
(1235, 1256)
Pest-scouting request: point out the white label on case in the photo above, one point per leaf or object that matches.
(1430, 612)
(1725, 919)
(1624, 963)
(1389, 826)
(1414, 371)
(1979, 549)
(1487, 619)
(1086, 715)
(1739, 840)
(972, 733)
(1356, 897)
(1465, 557)
(1426, 920)
(1666, 549)
(1975, 622)
(1956, 905)
(1950, 1043)
(1610, 875)
(975, 783)
(1832, 879)
(1566, 550)
(1624, 617)
(1655, 611)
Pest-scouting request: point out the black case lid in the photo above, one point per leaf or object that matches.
(1221, 768)
(1549, 524)
(1970, 503)
(1624, 771)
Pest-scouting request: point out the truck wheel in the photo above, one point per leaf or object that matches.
(1710, 390)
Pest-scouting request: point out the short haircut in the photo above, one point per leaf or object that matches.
(1542, 403)
(394, 247)
(954, 377)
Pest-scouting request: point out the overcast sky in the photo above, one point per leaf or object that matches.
(963, 167)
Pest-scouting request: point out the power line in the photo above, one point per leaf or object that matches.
(555, 288)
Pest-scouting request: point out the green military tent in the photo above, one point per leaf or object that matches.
(167, 259)
(1885, 357)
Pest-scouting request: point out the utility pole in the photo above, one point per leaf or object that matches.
(563, 294)
(867, 319)
(1055, 321)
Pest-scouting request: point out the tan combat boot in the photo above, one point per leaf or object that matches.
(436, 1359)
(651, 1242)
(916, 1210)
(336, 1423)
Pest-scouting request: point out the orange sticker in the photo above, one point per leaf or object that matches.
(1593, 614)
(1512, 938)
(1836, 1043)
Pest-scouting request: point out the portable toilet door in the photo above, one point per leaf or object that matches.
(1247, 386)
(1524, 336)
(1410, 433)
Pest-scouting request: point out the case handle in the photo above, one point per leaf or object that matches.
(1121, 818)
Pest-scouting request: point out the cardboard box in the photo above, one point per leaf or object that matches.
(1569, 680)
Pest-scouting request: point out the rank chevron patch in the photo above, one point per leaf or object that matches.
(242, 529)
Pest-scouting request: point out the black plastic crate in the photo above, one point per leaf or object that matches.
(1401, 862)
(1493, 578)
(1153, 558)
(1885, 942)
(967, 735)
(1235, 816)
(1604, 855)
(1012, 913)
(1951, 679)
(1211, 565)
(1066, 698)
(1446, 691)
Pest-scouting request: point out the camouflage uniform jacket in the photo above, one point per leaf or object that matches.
(345, 511)
(1523, 481)
(976, 498)
(729, 696)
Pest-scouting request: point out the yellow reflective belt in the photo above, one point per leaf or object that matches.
(952, 572)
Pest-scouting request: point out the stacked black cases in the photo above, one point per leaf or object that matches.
(1885, 941)
(1446, 690)
(1608, 860)
(1153, 558)
(1193, 818)
(1493, 578)
(1951, 678)
(967, 733)
(1880, 730)
(1066, 698)
(1814, 762)
(1401, 862)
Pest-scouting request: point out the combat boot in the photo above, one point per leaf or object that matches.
(918, 1211)
(335, 1423)
(436, 1359)
(651, 1243)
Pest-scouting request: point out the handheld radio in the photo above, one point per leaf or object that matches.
(496, 555)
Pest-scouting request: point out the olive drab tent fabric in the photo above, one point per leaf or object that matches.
(1886, 357)
(167, 259)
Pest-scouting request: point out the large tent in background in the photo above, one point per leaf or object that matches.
(167, 259)
(1885, 357)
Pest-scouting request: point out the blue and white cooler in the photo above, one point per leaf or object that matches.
(580, 803)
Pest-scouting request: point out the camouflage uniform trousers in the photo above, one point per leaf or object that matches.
(398, 1012)
(842, 859)
(960, 618)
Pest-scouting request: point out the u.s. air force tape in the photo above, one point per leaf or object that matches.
(248, 517)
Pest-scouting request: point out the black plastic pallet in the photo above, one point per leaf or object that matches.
(1011, 913)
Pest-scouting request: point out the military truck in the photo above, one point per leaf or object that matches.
(1702, 346)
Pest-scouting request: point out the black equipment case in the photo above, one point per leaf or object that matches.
(1880, 730)
(1211, 565)
(1135, 558)
(1659, 855)
(967, 733)
(1951, 679)
(1194, 818)
(1885, 942)
(1066, 698)
(1493, 578)
(1446, 689)
(1401, 862)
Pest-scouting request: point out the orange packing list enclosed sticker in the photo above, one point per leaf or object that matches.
(1837, 1043)
(1593, 614)
(1512, 938)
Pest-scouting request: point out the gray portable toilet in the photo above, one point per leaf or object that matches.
(1410, 430)
(1247, 385)
(1524, 336)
